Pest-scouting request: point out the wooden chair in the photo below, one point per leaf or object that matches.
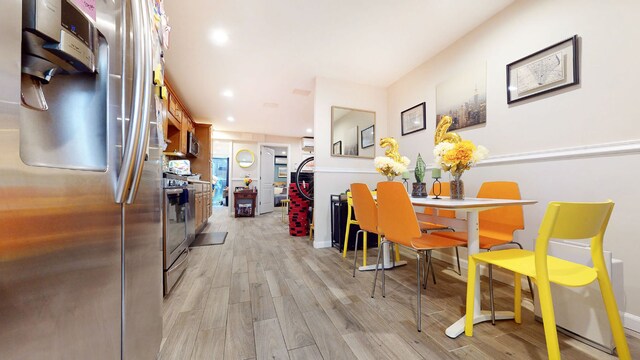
(566, 221)
(398, 221)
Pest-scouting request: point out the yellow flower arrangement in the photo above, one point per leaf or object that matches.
(458, 157)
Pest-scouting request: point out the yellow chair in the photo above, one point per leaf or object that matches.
(352, 221)
(565, 221)
(397, 220)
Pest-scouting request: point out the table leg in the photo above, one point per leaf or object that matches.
(387, 261)
(473, 247)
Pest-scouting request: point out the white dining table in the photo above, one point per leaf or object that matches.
(472, 207)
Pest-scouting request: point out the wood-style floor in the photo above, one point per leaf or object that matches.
(266, 295)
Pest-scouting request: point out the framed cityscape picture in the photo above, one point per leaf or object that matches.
(550, 69)
(464, 97)
(414, 119)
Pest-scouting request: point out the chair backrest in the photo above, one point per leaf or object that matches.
(445, 191)
(364, 207)
(573, 221)
(396, 216)
(502, 221)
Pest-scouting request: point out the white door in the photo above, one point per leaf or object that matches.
(267, 168)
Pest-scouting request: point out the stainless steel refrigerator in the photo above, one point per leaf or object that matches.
(80, 172)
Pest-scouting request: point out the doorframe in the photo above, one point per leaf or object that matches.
(268, 144)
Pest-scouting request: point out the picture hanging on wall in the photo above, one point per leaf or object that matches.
(464, 98)
(351, 142)
(544, 71)
(282, 171)
(280, 160)
(337, 147)
(366, 137)
(414, 119)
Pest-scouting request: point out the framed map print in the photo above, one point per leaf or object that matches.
(547, 70)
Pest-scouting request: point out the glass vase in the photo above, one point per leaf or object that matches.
(457, 188)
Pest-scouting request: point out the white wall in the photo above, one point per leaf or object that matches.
(333, 175)
(596, 121)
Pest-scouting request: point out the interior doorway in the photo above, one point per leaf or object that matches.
(274, 176)
(220, 171)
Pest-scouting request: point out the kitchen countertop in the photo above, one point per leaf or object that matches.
(199, 182)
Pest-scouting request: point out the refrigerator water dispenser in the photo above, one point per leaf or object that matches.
(64, 86)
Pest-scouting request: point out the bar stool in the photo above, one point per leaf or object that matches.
(284, 207)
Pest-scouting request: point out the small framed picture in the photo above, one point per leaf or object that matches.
(282, 171)
(366, 137)
(337, 148)
(280, 160)
(414, 119)
(550, 69)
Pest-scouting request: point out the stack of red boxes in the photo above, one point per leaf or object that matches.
(298, 213)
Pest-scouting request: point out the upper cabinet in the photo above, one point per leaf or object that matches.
(176, 125)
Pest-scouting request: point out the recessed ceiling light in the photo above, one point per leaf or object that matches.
(309, 130)
(227, 93)
(219, 37)
(284, 153)
(230, 119)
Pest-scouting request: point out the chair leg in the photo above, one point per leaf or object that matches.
(471, 289)
(346, 240)
(375, 277)
(383, 256)
(614, 316)
(493, 308)
(425, 272)
(393, 259)
(397, 254)
(433, 272)
(365, 240)
(355, 254)
(517, 298)
(528, 278)
(418, 293)
(458, 260)
(548, 319)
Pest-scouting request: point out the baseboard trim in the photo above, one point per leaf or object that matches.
(631, 322)
(321, 244)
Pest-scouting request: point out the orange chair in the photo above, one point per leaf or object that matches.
(430, 227)
(398, 221)
(352, 221)
(366, 212)
(497, 225)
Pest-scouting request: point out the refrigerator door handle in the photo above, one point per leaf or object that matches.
(147, 89)
(139, 72)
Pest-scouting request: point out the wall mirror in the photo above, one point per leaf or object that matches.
(245, 158)
(353, 132)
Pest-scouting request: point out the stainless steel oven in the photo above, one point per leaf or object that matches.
(175, 244)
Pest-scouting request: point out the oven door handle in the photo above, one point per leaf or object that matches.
(174, 191)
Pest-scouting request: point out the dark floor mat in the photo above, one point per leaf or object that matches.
(210, 238)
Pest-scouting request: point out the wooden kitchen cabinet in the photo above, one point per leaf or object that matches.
(178, 122)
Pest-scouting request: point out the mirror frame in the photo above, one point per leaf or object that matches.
(332, 140)
(253, 158)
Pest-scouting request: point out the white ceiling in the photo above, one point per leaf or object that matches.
(277, 46)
